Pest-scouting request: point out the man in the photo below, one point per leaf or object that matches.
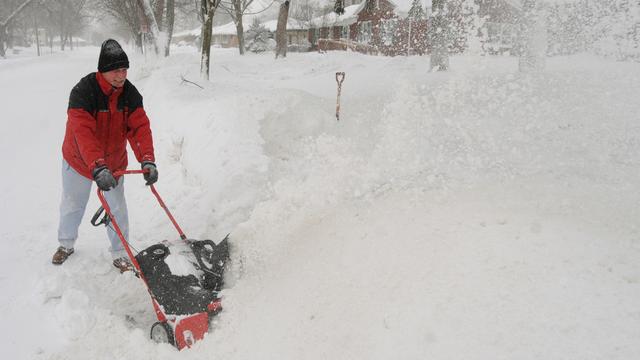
(105, 110)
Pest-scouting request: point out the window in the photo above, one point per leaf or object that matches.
(345, 32)
(314, 36)
(494, 30)
(509, 34)
(364, 35)
(389, 28)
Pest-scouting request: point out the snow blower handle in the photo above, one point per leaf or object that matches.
(127, 172)
(155, 192)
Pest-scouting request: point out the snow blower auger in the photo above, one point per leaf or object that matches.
(186, 298)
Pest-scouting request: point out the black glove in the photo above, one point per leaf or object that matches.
(104, 179)
(151, 176)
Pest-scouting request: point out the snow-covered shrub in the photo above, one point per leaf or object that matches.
(258, 38)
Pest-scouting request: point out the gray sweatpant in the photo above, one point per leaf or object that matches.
(75, 195)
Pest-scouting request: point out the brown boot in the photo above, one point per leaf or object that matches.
(61, 255)
(123, 264)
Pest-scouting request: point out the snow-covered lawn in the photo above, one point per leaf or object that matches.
(473, 214)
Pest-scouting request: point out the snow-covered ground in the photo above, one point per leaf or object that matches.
(473, 214)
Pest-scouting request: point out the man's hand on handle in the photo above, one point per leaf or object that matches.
(104, 179)
(150, 172)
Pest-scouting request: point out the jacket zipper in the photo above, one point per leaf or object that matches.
(106, 139)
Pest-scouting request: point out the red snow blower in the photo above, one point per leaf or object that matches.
(186, 298)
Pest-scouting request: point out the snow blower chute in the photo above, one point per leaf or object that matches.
(186, 298)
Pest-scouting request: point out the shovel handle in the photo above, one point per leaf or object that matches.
(339, 80)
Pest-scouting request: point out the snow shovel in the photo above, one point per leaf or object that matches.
(183, 302)
(339, 80)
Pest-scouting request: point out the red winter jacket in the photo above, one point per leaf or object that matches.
(100, 120)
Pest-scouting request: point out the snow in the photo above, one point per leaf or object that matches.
(474, 214)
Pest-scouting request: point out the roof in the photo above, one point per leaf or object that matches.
(350, 16)
(514, 3)
(230, 28)
(226, 29)
(517, 4)
(332, 19)
(292, 24)
(403, 6)
(194, 32)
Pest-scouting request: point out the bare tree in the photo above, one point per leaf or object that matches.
(158, 12)
(207, 10)
(7, 21)
(150, 20)
(127, 12)
(439, 36)
(303, 11)
(534, 37)
(140, 16)
(171, 15)
(236, 9)
(65, 16)
(281, 30)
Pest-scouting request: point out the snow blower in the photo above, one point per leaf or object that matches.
(183, 278)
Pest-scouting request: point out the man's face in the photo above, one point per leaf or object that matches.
(116, 77)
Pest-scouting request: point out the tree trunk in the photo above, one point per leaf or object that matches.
(439, 37)
(61, 30)
(237, 7)
(281, 30)
(207, 11)
(5, 24)
(158, 11)
(9, 38)
(533, 37)
(153, 25)
(35, 26)
(3, 32)
(171, 5)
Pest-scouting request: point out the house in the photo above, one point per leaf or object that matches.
(500, 29)
(373, 27)
(226, 36)
(187, 37)
(297, 33)
(221, 36)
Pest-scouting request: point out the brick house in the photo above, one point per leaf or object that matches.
(372, 27)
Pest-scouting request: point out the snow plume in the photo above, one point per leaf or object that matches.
(437, 133)
(434, 211)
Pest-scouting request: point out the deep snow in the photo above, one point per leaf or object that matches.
(474, 214)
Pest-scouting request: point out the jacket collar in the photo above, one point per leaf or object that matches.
(106, 88)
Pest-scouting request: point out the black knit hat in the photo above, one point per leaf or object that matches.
(112, 56)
